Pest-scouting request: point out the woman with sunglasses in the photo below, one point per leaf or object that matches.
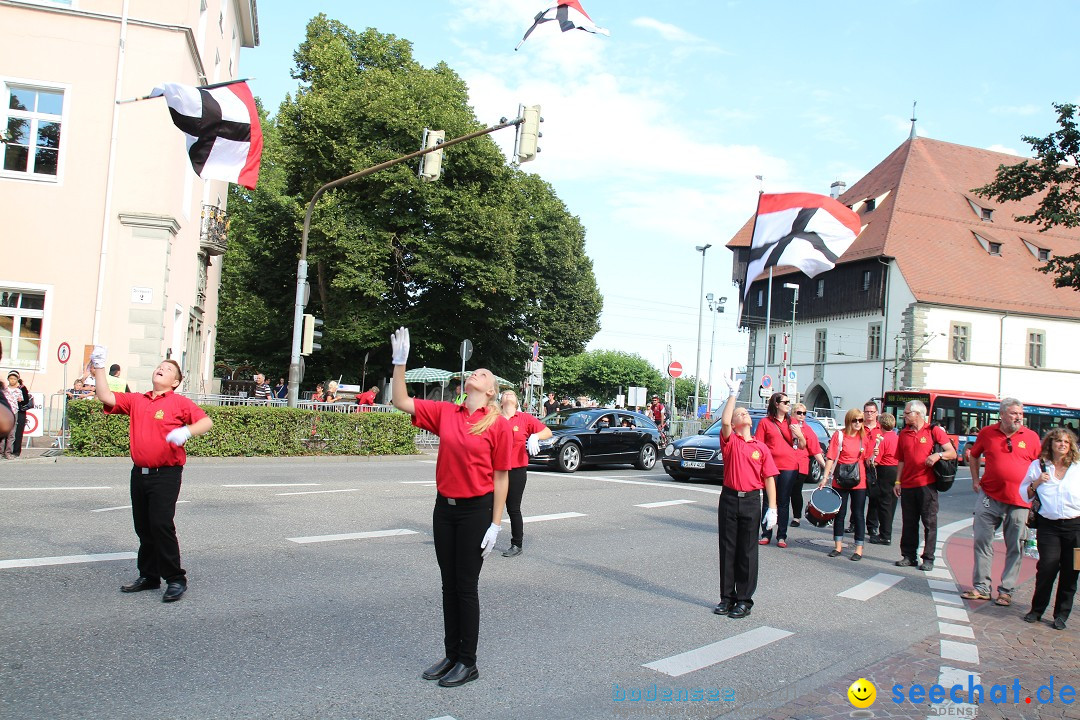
(811, 451)
(1054, 480)
(785, 445)
(850, 446)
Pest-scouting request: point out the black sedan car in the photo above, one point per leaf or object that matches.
(699, 455)
(595, 436)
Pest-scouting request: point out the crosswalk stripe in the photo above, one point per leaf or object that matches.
(946, 598)
(955, 630)
(252, 485)
(951, 613)
(65, 560)
(351, 536)
(872, 587)
(87, 487)
(665, 503)
(717, 652)
(319, 492)
(128, 507)
(942, 585)
(962, 652)
(553, 516)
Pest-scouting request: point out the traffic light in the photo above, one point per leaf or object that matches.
(310, 335)
(431, 164)
(528, 133)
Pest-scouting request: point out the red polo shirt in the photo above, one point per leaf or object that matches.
(912, 449)
(522, 425)
(466, 463)
(854, 449)
(887, 449)
(777, 437)
(813, 447)
(1004, 469)
(366, 398)
(152, 418)
(746, 463)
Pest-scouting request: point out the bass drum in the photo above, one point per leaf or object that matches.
(823, 507)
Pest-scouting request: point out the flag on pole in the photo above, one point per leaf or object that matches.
(224, 138)
(802, 230)
(570, 16)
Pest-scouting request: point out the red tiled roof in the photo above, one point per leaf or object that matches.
(927, 223)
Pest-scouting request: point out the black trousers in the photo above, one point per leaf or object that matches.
(739, 520)
(857, 498)
(885, 504)
(796, 495)
(153, 508)
(20, 426)
(1056, 540)
(786, 482)
(518, 478)
(919, 504)
(459, 529)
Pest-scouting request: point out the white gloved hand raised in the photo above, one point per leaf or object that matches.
(179, 436)
(533, 444)
(733, 385)
(770, 518)
(97, 357)
(399, 343)
(489, 539)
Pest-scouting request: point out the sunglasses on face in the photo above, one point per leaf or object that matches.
(783, 402)
(857, 420)
(800, 412)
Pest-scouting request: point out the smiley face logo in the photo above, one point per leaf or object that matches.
(862, 693)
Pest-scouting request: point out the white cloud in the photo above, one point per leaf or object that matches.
(669, 32)
(1004, 149)
(1016, 110)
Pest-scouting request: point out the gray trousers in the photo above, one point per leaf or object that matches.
(989, 513)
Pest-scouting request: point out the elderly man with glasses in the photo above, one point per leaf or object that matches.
(1009, 448)
(916, 484)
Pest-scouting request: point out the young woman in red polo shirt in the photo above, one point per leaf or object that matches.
(471, 477)
(775, 432)
(846, 447)
(527, 432)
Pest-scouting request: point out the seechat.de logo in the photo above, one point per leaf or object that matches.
(862, 693)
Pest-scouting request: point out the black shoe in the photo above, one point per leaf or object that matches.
(723, 607)
(1033, 617)
(143, 583)
(173, 592)
(836, 553)
(459, 675)
(926, 565)
(514, 551)
(795, 522)
(1059, 623)
(439, 669)
(878, 540)
(856, 557)
(849, 530)
(740, 610)
(871, 533)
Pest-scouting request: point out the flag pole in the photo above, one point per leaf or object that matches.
(768, 313)
(749, 280)
(199, 87)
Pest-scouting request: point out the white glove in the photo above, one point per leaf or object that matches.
(399, 342)
(770, 518)
(492, 533)
(533, 444)
(179, 436)
(733, 385)
(97, 358)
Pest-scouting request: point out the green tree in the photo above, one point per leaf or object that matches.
(1055, 171)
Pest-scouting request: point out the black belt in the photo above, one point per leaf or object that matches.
(464, 502)
(739, 493)
(155, 470)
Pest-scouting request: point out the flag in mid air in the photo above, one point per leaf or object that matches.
(224, 138)
(802, 230)
(570, 16)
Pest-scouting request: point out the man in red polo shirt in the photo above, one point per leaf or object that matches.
(160, 423)
(915, 486)
(748, 468)
(1009, 448)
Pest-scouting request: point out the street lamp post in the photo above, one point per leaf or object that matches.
(701, 306)
(714, 310)
(791, 345)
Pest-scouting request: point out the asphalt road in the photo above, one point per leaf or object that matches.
(609, 601)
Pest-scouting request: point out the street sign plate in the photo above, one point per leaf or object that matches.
(63, 353)
(674, 369)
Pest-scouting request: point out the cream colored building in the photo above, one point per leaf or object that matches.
(109, 237)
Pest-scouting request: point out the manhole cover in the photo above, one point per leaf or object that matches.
(52, 453)
(813, 542)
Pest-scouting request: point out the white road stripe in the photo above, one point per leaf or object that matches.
(247, 485)
(318, 492)
(417, 482)
(963, 631)
(351, 536)
(665, 503)
(703, 657)
(961, 652)
(939, 573)
(128, 507)
(95, 487)
(553, 516)
(65, 560)
(942, 585)
(872, 587)
(946, 598)
(951, 613)
(682, 488)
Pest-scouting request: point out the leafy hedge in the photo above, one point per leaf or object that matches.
(250, 431)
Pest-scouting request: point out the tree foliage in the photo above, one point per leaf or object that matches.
(487, 252)
(1055, 171)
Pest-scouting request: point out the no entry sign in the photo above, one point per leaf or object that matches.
(674, 369)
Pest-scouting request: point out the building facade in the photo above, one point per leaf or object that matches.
(940, 290)
(110, 236)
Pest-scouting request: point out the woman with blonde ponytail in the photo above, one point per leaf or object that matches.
(471, 480)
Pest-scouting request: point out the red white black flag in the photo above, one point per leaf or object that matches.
(802, 230)
(570, 16)
(224, 138)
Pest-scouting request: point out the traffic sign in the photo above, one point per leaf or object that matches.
(63, 353)
(766, 381)
(535, 351)
(674, 369)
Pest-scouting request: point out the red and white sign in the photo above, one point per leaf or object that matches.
(63, 353)
(674, 369)
(34, 426)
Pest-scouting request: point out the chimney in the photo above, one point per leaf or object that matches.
(837, 189)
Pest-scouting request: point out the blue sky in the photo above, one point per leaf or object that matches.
(653, 136)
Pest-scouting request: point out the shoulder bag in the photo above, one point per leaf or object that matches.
(1036, 504)
(846, 476)
(944, 470)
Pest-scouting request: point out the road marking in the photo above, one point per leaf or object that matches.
(417, 482)
(128, 507)
(963, 631)
(942, 585)
(554, 516)
(947, 678)
(96, 487)
(939, 573)
(65, 560)
(946, 598)
(717, 652)
(247, 485)
(351, 536)
(665, 503)
(684, 488)
(318, 492)
(951, 613)
(872, 587)
(961, 652)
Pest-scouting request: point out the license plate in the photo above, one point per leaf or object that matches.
(698, 464)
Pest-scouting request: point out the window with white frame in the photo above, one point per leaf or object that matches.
(22, 313)
(1036, 357)
(873, 341)
(772, 350)
(821, 288)
(819, 345)
(959, 342)
(760, 298)
(32, 122)
(866, 280)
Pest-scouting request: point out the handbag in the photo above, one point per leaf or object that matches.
(1036, 504)
(944, 470)
(847, 475)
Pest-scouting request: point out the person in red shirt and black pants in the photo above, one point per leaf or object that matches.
(786, 448)
(527, 432)
(471, 479)
(916, 484)
(748, 468)
(160, 423)
(849, 447)
(886, 474)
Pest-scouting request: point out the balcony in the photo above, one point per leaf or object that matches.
(213, 238)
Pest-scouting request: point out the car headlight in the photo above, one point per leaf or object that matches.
(669, 449)
(550, 442)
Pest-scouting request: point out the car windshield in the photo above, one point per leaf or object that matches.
(567, 419)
